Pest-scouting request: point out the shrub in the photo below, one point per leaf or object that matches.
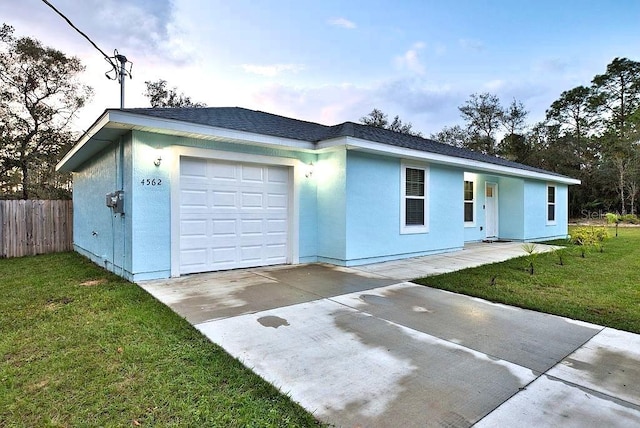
(600, 233)
(630, 218)
(581, 236)
(612, 218)
(589, 237)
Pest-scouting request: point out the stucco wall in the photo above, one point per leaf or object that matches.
(373, 210)
(100, 234)
(536, 225)
(151, 208)
(330, 177)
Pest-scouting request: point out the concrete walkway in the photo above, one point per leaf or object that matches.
(359, 348)
(473, 254)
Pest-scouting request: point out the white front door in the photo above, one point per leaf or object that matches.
(232, 215)
(491, 209)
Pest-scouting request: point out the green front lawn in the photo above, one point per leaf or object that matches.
(602, 287)
(82, 347)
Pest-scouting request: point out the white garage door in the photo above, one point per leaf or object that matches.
(232, 215)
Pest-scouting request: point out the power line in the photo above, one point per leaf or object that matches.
(120, 69)
(109, 60)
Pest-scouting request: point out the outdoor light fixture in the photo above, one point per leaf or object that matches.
(309, 170)
(158, 161)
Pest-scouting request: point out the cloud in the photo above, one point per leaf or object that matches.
(327, 104)
(494, 85)
(534, 94)
(427, 106)
(552, 65)
(417, 96)
(140, 29)
(342, 23)
(440, 48)
(410, 60)
(472, 44)
(272, 70)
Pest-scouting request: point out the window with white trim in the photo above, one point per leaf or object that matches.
(551, 204)
(469, 202)
(414, 210)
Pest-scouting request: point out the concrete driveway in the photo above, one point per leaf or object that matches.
(358, 348)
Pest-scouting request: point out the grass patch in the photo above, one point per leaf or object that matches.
(82, 347)
(602, 288)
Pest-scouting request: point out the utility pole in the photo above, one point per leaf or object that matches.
(120, 72)
(121, 75)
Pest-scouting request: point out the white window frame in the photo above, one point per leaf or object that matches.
(410, 229)
(472, 201)
(549, 204)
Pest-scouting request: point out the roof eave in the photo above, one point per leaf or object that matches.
(112, 119)
(354, 143)
(66, 164)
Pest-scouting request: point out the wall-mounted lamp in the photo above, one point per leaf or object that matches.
(309, 170)
(158, 161)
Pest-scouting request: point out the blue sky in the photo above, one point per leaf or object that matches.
(334, 61)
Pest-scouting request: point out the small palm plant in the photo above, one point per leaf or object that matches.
(562, 253)
(530, 248)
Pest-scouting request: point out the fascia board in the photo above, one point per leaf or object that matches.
(180, 128)
(353, 143)
(84, 139)
(115, 119)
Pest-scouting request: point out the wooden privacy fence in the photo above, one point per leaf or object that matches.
(35, 227)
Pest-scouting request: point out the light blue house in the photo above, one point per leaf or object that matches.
(168, 192)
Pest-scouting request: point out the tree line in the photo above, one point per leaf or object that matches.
(591, 132)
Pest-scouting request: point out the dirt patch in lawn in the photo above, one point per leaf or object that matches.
(93, 282)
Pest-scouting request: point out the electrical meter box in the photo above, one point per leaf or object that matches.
(115, 201)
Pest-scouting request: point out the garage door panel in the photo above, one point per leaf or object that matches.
(193, 260)
(192, 243)
(276, 252)
(224, 228)
(250, 253)
(193, 199)
(193, 168)
(250, 227)
(276, 201)
(220, 171)
(254, 174)
(251, 200)
(276, 226)
(223, 199)
(274, 241)
(193, 228)
(223, 254)
(233, 216)
(277, 175)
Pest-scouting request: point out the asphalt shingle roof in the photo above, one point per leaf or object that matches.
(241, 119)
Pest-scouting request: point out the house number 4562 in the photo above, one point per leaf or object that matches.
(151, 182)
